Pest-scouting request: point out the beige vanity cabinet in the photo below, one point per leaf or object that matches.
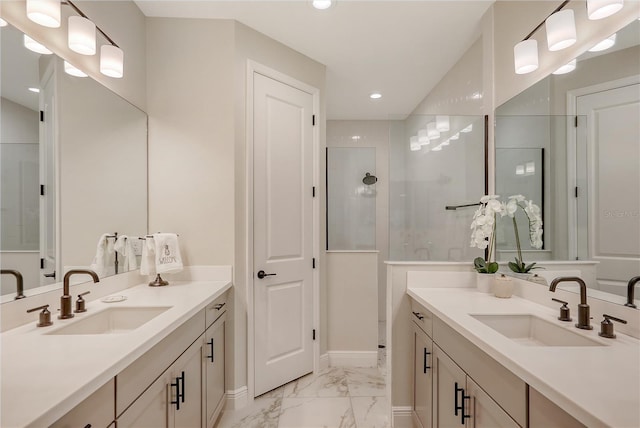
(422, 378)
(455, 384)
(459, 401)
(96, 411)
(174, 399)
(214, 368)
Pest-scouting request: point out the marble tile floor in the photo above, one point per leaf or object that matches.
(336, 397)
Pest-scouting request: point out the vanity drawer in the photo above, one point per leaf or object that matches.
(215, 309)
(508, 390)
(135, 379)
(96, 411)
(422, 317)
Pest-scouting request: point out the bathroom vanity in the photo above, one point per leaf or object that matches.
(152, 357)
(484, 361)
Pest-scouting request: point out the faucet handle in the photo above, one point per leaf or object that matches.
(80, 303)
(565, 312)
(45, 315)
(606, 326)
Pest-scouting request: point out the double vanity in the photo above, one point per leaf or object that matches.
(479, 360)
(151, 356)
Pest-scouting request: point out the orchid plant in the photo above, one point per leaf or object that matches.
(535, 229)
(483, 230)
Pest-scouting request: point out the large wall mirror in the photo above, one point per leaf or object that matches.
(571, 142)
(73, 159)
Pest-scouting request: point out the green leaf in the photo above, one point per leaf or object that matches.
(514, 267)
(492, 267)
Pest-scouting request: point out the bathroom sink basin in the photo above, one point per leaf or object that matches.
(530, 330)
(112, 320)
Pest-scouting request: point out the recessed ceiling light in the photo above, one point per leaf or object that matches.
(36, 90)
(322, 4)
(375, 95)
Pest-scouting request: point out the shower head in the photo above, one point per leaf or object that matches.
(369, 179)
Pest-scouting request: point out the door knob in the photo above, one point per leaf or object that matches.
(261, 274)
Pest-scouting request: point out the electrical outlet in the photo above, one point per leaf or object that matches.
(136, 246)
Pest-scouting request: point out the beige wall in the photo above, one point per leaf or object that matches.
(453, 95)
(121, 20)
(352, 301)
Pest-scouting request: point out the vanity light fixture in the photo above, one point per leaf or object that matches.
(604, 44)
(322, 4)
(432, 131)
(567, 68)
(36, 47)
(3, 23)
(44, 12)
(598, 9)
(82, 35)
(111, 61)
(561, 30)
(375, 95)
(73, 71)
(355, 137)
(423, 137)
(442, 123)
(525, 56)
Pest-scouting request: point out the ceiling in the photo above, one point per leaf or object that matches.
(401, 49)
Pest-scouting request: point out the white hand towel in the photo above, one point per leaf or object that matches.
(124, 248)
(168, 258)
(148, 261)
(103, 249)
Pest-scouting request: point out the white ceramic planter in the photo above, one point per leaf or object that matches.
(484, 282)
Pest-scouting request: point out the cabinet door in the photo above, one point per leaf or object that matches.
(185, 389)
(214, 369)
(150, 410)
(449, 383)
(422, 377)
(485, 412)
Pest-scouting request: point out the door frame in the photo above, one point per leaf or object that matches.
(257, 68)
(572, 135)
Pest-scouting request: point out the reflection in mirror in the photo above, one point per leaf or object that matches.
(70, 174)
(586, 122)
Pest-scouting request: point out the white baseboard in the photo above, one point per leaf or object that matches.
(402, 417)
(324, 361)
(353, 358)
(237, 399)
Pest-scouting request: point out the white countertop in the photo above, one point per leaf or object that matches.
(598, 385)
(44, 376)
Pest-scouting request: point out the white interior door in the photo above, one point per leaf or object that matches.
(48, 266)
(283, 228)
(612, 174)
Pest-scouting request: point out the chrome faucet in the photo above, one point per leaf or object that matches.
(65, 300)
(19, 282)
(583, 308)
(630, 288)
